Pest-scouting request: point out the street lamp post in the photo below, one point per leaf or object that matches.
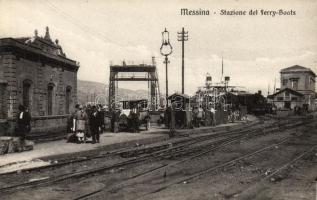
(166, 61)
(166, 50)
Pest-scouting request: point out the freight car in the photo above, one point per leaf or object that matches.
(256, 103)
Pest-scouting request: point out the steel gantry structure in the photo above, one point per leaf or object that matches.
(118, 73)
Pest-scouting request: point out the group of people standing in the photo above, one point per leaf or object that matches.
(129, 121)
(86, 122)
(204, 117)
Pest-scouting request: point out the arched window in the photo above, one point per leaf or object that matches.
(68, 99)
(3, 101)
(50, 96)
(26, 93)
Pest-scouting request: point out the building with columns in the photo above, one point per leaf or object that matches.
(35, 72)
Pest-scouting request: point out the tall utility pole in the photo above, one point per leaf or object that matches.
(183, 36)
(221, 69)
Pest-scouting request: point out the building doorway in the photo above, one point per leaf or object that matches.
(287, 104)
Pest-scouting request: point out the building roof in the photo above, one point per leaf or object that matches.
(284, 90)
(296, 69)
(22, 39)
(16, 45)
(39, 48)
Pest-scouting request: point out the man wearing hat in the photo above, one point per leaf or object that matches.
(95, 122)
(23, 123)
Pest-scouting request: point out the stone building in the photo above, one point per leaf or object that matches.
(35, 72)
(297, 89)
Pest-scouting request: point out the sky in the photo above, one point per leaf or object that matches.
(97, 33)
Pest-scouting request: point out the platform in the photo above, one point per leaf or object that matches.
(43, 152)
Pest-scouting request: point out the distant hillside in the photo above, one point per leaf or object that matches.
(88, 91)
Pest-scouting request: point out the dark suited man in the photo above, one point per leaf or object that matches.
(23, 123)
(95, 124)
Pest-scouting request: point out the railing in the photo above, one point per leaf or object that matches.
(130, 62)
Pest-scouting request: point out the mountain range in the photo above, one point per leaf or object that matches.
(90, 91)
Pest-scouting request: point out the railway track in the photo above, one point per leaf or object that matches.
(155, 155)
(226, 164)
(178, 147)
(209, 148)
(130, 151)
(134, 151)
(199, 174)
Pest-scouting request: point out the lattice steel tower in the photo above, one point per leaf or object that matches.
(117, 73)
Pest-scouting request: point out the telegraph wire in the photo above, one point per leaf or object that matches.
(85, 28)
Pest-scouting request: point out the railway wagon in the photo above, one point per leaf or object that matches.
(134, 113)
(255, 103)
